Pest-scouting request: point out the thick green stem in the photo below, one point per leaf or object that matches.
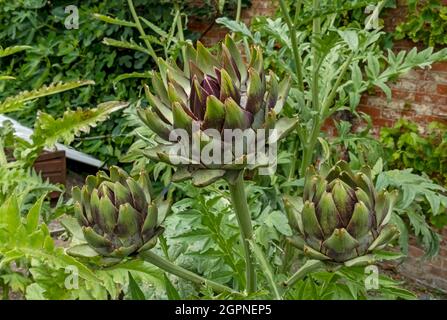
(181, 38)
(237, 190)
(308, 150)
(298, 68)
(169, 267)
(309, 147)
(295, 48)
(309, 267)
(5, 293)
(238, 10)
(142, 32)
(330, 99)
(316, 30)
(293, 163)
(3, 160)
(298, 6)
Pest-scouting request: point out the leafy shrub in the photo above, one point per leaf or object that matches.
(426, 22)
(407, 148)
(61, 54)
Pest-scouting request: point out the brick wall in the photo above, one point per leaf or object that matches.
(431, 273)
(214, 32)
(420, 95)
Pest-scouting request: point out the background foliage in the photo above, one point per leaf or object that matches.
(426, 22)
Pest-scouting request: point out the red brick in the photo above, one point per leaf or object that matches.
(442, 89)
(381, 122)
(374, 112)
(415, 252)
(426, 119)
(398, 94)
(439, 272)
(440, 111)
(436, 262)
(440, 66)
(364, 99)
(426, 87)
(431, 99)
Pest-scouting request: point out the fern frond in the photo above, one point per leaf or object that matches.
(14, 103)
(48, 131)
(4, 52)
(125, 45)
(112, 20)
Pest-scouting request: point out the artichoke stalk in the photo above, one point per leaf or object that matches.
(118, 215)
(216, 94)
(343, 218)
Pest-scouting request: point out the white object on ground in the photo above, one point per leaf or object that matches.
(25, 133)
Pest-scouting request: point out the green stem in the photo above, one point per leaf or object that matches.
(308, 149)
(295, 48)
(169, 267)
(5, 293)
(330, 99)
(316, 29)
(3, 160)
(181, 38)
(142, 32)
(298, 68)
(264, 263)
(310, 146)
(309, 267)
(292, 168)
(238, 10)
(237, 190)
(298, 7)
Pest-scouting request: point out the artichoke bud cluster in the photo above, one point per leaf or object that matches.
(117, 213)
(215, 94)
(343, 217)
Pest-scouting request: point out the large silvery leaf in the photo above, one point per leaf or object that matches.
(16, 102)
(48, 130)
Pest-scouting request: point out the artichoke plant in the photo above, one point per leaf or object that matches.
(117, 213)
(215, 92)
(343, 217)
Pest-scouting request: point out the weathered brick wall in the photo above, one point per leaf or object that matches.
(420, 95)
(432, 273)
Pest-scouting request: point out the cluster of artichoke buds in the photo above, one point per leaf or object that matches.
(216, 94)
(117, 213)
(343, 217)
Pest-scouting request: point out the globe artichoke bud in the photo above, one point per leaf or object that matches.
(117, 213)
(217, 93)
(343, 217)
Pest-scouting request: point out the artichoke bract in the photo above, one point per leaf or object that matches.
(343, 217)
(117, 213)
(216, 94)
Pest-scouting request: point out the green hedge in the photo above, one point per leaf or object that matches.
(62, 54)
